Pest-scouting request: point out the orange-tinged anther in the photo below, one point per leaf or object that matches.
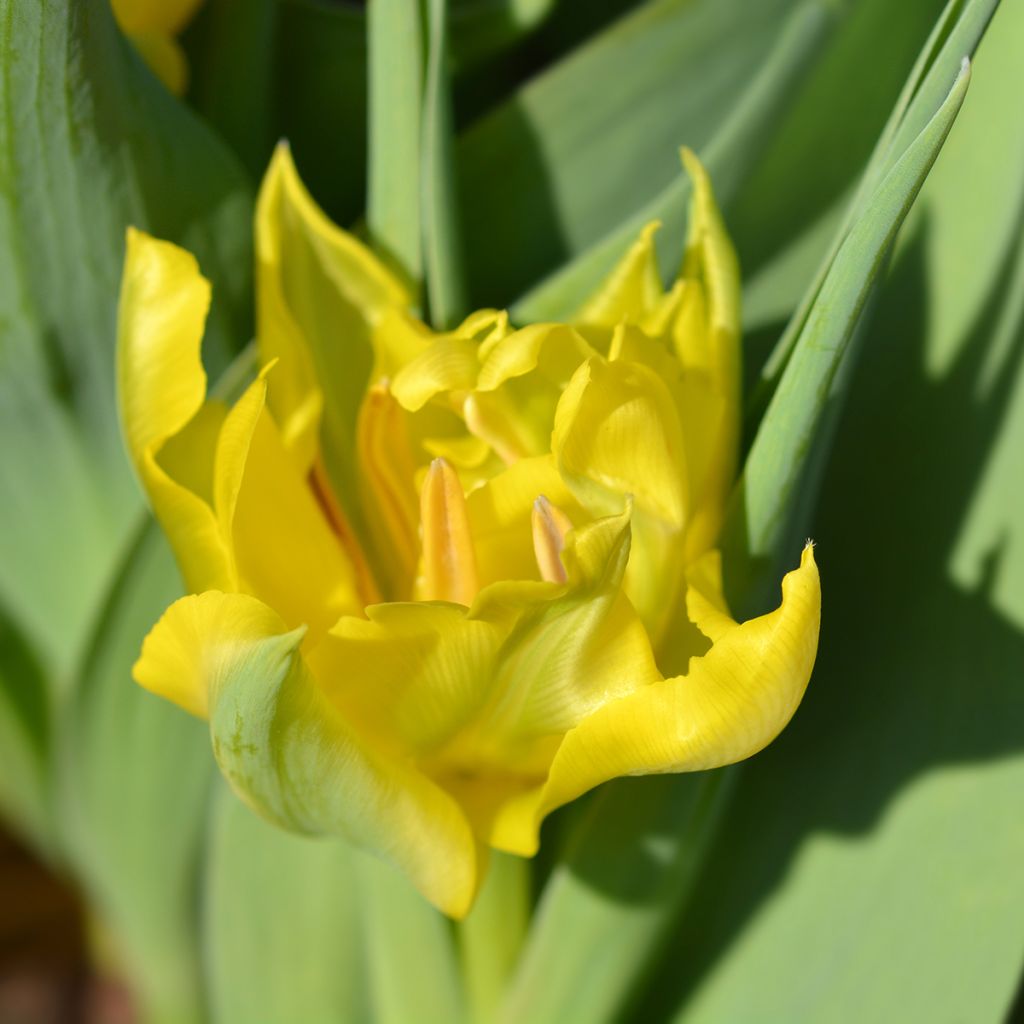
(449, 561)
(550, 525)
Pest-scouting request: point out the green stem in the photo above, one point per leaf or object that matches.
(410, 951)
(395, 46)
(492, 935)
(446, 290)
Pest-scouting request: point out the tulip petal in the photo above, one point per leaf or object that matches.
(631, 290)
(481, 697)
(732, 703)
(161, 389)
(499, 517)
(321, 293)
(617, 433)
(707, 342)
(289, 754)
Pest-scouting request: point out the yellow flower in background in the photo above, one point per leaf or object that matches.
(152, 26)
(444, 583)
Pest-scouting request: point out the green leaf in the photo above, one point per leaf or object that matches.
(231, 48)
(413, 971)
(955, 34)
(588, 142)
(135, 778)
(396, 46)
(604, 909)
(871, 868)
(89, 142)
(728, 154)
(491, 936)
(25, 739)
(761, 514)
(281, 923)
(441, 241)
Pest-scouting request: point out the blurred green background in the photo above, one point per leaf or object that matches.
(869, 866)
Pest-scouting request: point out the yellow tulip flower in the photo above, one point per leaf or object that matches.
(152, 26)
(444, 583)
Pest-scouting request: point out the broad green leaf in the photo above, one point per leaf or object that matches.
(396, 47)
(728, 154)
(441, 241)
(282, 933)
(134, 784)
(760, 518)
(231, 49)
(89, 142)
(588, 142)
(603, 911)
(25, 739)
(872, 867)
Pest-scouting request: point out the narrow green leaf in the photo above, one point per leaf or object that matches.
(492, 935)
(442, 244)
(956, 33)
(134, 783)
(395, 44)
(413, 970)
(282, 934)
(728, 154)
(761, 509)
(632, 860)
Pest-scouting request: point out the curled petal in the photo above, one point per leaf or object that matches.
(161, 388)
(287, 751)
(733, 702)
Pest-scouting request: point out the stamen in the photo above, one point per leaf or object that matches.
(550, 526)
(449, 560)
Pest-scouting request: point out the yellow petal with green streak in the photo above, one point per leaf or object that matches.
(288, 752)
(617, 433)
(733, 702)
(161, 388)
(500, 513)
(320, 295)
(631, 290)
(708, 346)
(480, 697)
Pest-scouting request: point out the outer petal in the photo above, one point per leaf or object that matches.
(290, 755)
(733, 702)
(481, 697)
(631, 290)
(283, 546)
(320, 295)
(707, 342)
(161, 387)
